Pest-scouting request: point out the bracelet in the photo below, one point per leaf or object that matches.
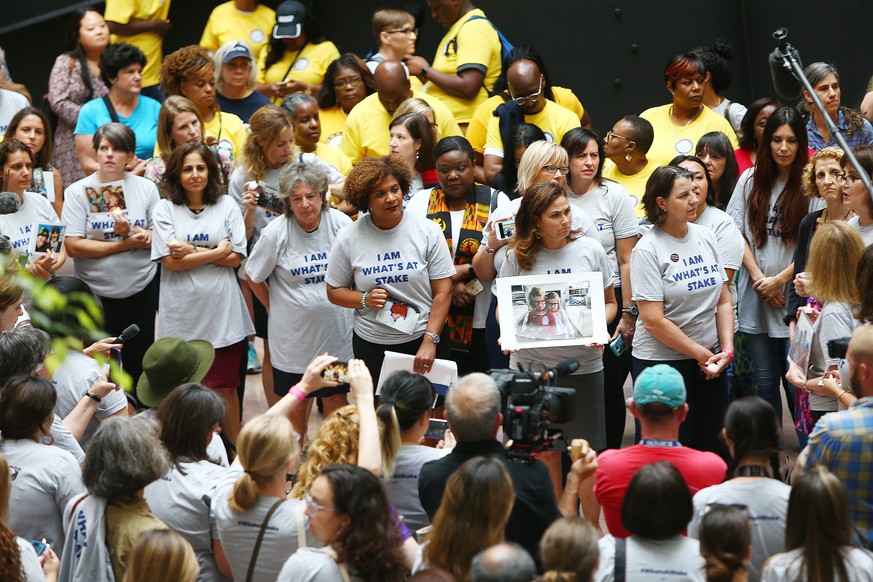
(841, 395)
(364, 299)
(297, 393)
(489, 250)
(730, 354)
(92, 396)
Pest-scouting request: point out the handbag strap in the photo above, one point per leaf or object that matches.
(620, 559)
(113, 115)
(261, 533)
(301, 526)
(293, 62)
(344, 572)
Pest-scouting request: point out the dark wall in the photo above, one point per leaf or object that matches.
(611, 54)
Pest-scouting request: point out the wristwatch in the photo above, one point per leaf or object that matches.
(633, 310)
(424, 71)
(434, 336)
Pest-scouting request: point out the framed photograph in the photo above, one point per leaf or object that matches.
(798, 352)
(539, 311)
(49, 237)
(106, 197)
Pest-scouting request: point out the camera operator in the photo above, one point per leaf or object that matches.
(473, 411)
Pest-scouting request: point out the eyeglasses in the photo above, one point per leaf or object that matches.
(528, 98)
(551, 304)
(539, 302)
(404, 31)
(850, 178)
(551, 169)
(315, 506)
(610, 135)
(341, 83)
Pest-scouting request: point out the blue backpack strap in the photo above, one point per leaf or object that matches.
(505, 44)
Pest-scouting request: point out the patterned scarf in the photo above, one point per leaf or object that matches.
(475, 215)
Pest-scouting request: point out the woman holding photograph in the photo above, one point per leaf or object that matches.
(283, 272)
(545, 243)
(16, 172)
(113, 248)
(390, 256)
(199, 237)
(686, 319)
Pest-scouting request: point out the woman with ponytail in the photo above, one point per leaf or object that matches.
(726, 544)
(751, 434)
(569, 551)
(404, 413)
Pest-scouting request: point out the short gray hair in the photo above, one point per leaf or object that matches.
(123, 456)
(472, 407)
(119, 135)
(22, 350)
(218, 58)
(506, 562)
(816, 72)
(309, 173)
(295, 100)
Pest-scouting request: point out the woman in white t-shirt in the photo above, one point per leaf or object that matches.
(286, 274)
(20, 561)
(199, 237)
(726, 544)
(819, 539)
(16, 172)
(188, 417)
(686, 319)
(31, 126)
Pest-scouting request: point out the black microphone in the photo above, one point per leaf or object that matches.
(564, 368)
(129, 333)
(785, 84)
(9, 203)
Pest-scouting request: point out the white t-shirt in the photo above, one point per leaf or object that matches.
(611, 208)
(63, 439)
(786, 566)
(182, 502)
(238, 532)
(294, 263)
(44, 479)
(418, 205)
(76, 374)
(11, 102)
(215, 450)
(767, 500)
(29, 561)
(836, 321)
(403, 261)
(402, 486)
(120, 274)
(866, 232)
(735, 113)
(205, 302)
(584, 254)
(21, 226)
(731, 245)
(686, 276)
(313, 565)
(676, 559)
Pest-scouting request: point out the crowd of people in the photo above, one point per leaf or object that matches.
(346, 207)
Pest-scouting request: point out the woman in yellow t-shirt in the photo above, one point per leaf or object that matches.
(297, 57)
(347, 82)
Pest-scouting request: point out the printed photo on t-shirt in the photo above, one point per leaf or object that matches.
(399, 315)
(49, 237)
(107, 197)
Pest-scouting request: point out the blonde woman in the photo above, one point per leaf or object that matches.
(162, 555)
(569, 550)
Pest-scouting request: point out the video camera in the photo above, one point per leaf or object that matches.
(531, 403)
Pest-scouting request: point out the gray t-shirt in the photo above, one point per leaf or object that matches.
(205, 302)
(836, 321)
(858, 562)
(20, 227)
(686, 276)
(611, 208)
(403, 261)
(767, 502)
(215, 450)
(728, 238)
(402, 486)
(238, 532)
(29, 561)
(63, 439)
(44, 479)
(120, 274)
(76, 374)
(183, 503)
(294, 263)
(313, 565)
(675, 559)
(866, 232)
(585, 254)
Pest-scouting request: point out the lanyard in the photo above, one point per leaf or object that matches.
(657, 443)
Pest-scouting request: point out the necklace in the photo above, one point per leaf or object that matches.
(314, 228)
(753, 471)
(825, 218)
(693, 117)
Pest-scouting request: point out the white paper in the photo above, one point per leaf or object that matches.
(443, 374)
(798, 352)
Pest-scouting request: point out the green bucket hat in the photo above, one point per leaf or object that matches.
(169, 363)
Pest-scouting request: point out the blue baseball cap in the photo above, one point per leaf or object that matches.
(660, 383)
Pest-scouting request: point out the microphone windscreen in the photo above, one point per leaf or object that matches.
(8, 203)
(785, 85)
(129, 332)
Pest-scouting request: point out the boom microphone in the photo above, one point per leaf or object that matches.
(785, 84)
(8, 203)
(564, 368)
(129, 333)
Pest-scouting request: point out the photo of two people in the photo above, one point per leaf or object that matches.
(106, 197)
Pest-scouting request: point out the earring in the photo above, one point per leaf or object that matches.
(628, 157)
(416, 154)
(538, 235)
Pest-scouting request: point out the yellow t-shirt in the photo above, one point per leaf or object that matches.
(553, 119)
(333, 121)
(635, 185)
(366, 132)
(477, 131)
(334, 157)
(230, 127)
(226, 23)
(467, 45)
(308, 68)
(150, 43)
(672, 140)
